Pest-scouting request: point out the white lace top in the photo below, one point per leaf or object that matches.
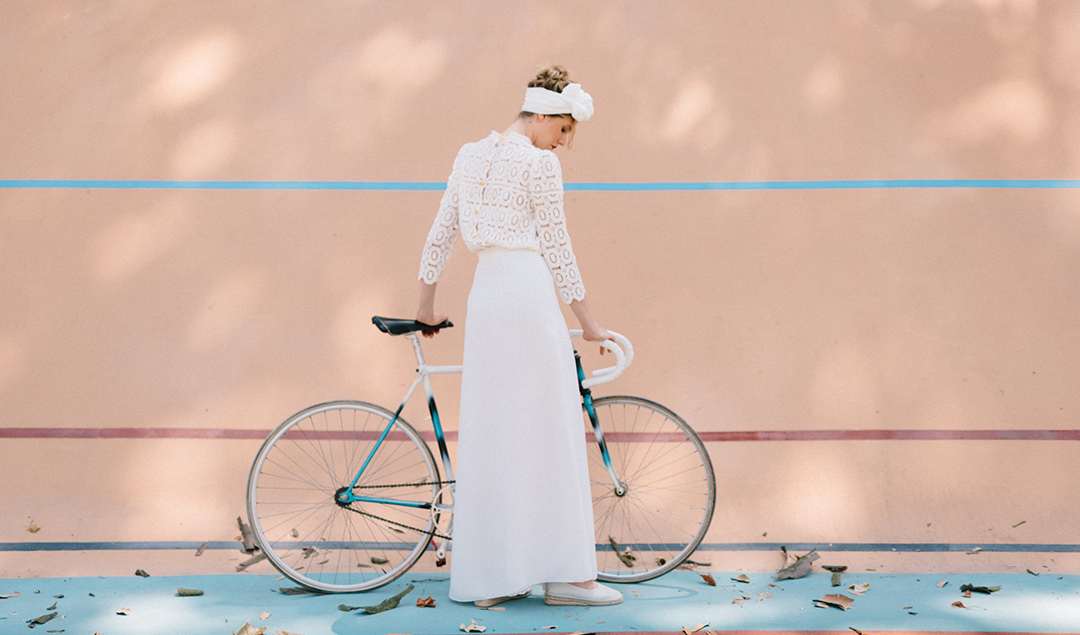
(505, 192)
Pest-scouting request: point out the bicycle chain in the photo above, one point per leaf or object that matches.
(433, 532)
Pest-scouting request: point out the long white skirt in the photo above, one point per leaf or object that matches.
(522, 506)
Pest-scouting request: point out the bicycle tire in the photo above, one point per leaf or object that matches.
(671, 490)
(300, 467)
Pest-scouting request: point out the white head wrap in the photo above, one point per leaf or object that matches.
(571, 101)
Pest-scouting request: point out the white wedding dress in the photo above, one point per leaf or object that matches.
(522, 506)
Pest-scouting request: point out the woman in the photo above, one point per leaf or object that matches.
(522, 507)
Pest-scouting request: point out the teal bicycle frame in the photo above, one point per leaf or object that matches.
(347, 494)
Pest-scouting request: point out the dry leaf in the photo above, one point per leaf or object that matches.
(259, 557)
(835, 568)
(295, 534)
(124, 612)
(377, 560)
(800, 567)
(42, 619)
(552, 627)
(52, 608)
(965, 594)
(859, 589)
(246, 536)
(33, 528)
(627, 557)
(13, 595)
(691, 631)
(495, 608)
(248, 629)
(388, 603)
(202, 548)
(942, 583)
(428, 602)
(264, 615)
(979, 589)
(473, 627)
(958, 604)
(707, 577)
(141, 573)
(742, 578)
(838, 600)
(188, 593)
(836, 579)
(697, 564)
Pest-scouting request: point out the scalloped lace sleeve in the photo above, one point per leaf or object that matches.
(546, 192)
(443, 234)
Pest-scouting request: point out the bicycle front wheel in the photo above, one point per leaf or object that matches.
(311, 457)
(663, 514)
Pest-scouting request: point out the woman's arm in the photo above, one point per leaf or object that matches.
(593, 332)
(426, 311)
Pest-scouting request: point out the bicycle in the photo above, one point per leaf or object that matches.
(346, 496)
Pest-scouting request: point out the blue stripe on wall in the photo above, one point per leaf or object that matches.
(663, 186)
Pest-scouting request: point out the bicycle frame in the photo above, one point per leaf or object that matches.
(423, 374)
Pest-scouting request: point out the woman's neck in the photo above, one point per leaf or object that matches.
(521, 126)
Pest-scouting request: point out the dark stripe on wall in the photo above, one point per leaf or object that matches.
(906, 547)
(451, 435)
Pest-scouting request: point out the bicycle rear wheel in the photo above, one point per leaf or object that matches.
(670, 494)
(306, 461)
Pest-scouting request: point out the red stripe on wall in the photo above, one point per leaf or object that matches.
(451, 435)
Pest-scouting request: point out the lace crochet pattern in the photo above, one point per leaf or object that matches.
(504, 192)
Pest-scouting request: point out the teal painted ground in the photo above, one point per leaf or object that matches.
(1025, 603)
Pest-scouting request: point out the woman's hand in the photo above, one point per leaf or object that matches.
(591, 331)
(426, 313)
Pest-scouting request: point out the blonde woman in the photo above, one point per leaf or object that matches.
(522, 507)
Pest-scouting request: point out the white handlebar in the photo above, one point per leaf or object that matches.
(624, 354)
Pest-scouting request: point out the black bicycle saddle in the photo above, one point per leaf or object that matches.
(395, 326)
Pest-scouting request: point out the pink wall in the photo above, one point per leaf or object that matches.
(922, 308)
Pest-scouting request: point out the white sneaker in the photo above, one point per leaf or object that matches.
(565, 594)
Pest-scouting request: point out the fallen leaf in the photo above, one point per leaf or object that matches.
(388, 603)
(942, 583)
(495, 608)
(742, 578)
(13, 595)
(661, 562)
(627, 557)
(246, 536)
(202, 548)
(124, 612)
(707, 577)
(310, 551)
(377, 560)
(33, 528)
(297, 590)
(859, 589)
(965, 594)
(346, 608)
(52, 608)
(188, 593)
(294, 533)
(473, 627)
(141, 573)
(691, 631)
(819, 605)
(1019, 523)
(857, 631)
(42, 619)
(835, 568)
(248, 629)
(836, 579)
(259, 557)
(838, 600)
(552, 627)
(264, 615)
(697, 564)
(428, 602)
(800, 567)
(1032, 573)
(958, 604)
(980, 589)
